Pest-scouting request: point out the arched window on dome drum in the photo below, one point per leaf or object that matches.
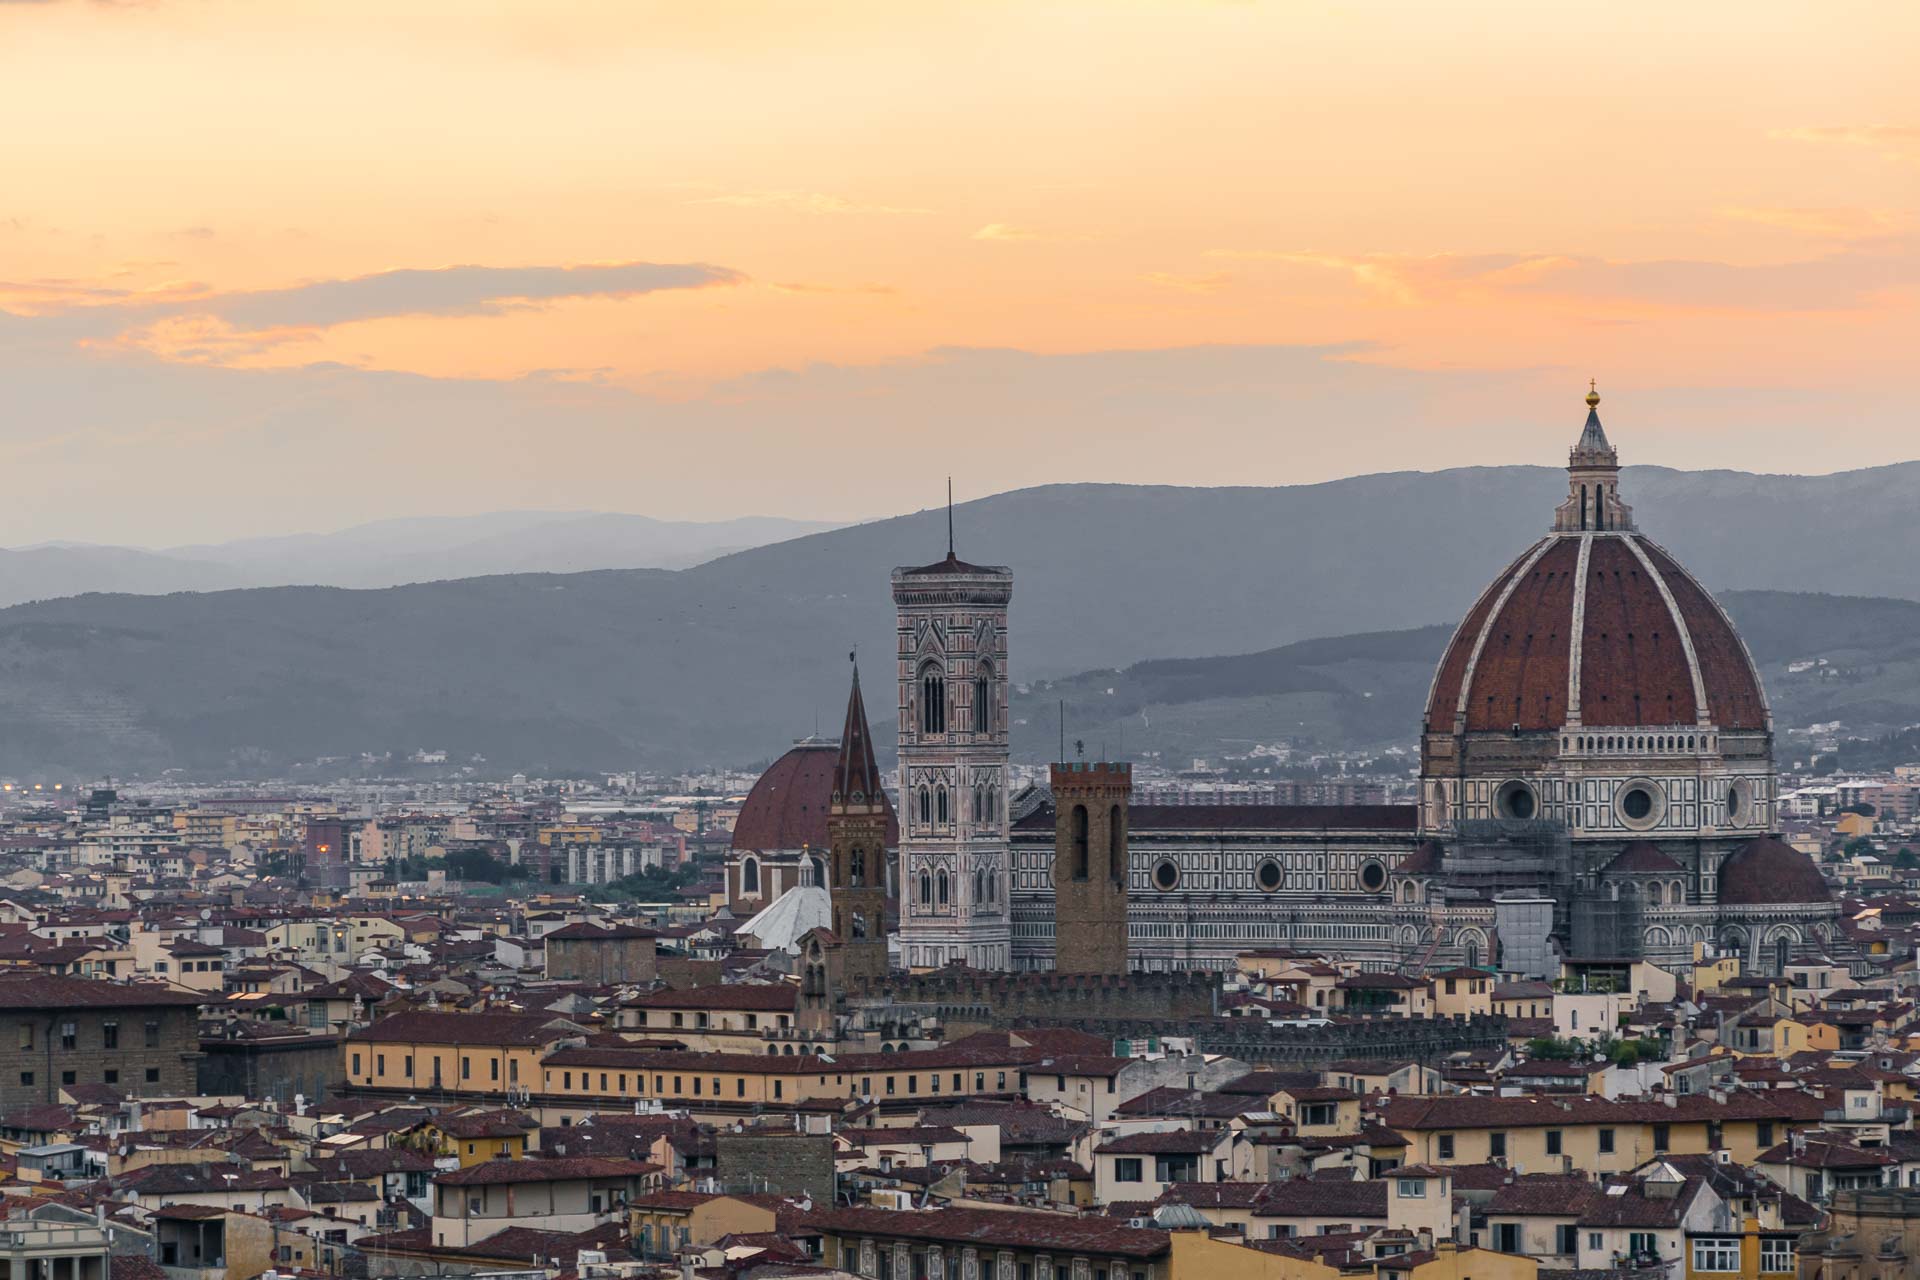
(750, 876)
(1079, 824)
(1116, 855)
(933, 700)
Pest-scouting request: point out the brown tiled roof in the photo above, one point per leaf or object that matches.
(1173, 1142)
(1543, 1193)
(748, 996)
(46, 991)
(1642, 857)
(422, 1026)
(1063, 1233)
(1464, 1111)
(1767, 872)
(497, 1172)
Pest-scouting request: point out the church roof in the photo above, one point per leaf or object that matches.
(1767, 872)
(1641, 857)
(856, 775)
(790, 917)
(787, 808)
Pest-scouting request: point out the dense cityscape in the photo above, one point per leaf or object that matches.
(1583, 985)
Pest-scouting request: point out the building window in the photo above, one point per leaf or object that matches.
(1566, 1239)
(1776, 1255)
(933, 701)
(1716, 1253)
(68, 1035)
(1413, 1188)
(153, 1035)
(110, 1077)
(1662, 1137)
(1606, 1142)
(26, 1077)
(1126, 1169)
(1553, 1142)
(66, 1077)
(1446, 1146)
(26, 1035)
(1497, 1145)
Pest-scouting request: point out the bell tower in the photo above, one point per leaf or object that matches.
(857, 836)
(951, 638)
(1090, 866)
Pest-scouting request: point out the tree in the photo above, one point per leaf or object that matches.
(1906, 859)
(1859, 847)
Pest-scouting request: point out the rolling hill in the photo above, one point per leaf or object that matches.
(729, 660)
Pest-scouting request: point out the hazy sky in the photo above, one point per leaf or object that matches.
(269, 265)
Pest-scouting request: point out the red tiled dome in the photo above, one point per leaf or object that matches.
(1765, 872)
(1651, 642)
(787, 807)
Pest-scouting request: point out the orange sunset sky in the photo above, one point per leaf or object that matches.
(278, 265)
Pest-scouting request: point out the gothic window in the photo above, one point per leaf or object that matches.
(933, 700)
(859, 925)
(926, 807)
(992, 803)
(1653, 894)
(940, 887)
(940, 805)
(926, 889)
(1782, 952)
(983, 701)
(1079, 823)
(1116, 855)
(857, 867)
(978, 802)
(750, 876)
(1473, 955)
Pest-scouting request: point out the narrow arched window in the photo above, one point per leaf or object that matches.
(983, 701)
(1473, 955)
(979, 885)
(940, 805)
(1116, 845)
(1079, 842)
(750, 876)
(926, 806)
(926, 889)
(979, 802)
(857, 867)
(993, 804)
(933, 701)
(1583, 506)
(940, 887)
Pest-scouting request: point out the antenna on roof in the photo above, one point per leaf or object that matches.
(949, 517)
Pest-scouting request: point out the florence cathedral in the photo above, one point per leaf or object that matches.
(1596, 787)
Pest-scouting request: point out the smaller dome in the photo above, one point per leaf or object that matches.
(1766, 872)
(788, 807)
(1643, 857)
(1426, 860)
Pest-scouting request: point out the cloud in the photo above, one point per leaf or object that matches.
(1213, 283)
(1005, 231)
(810, 202)
(1836, 281)
(1895, 142)
(802, 286)
(454, 291)
(1823, 223)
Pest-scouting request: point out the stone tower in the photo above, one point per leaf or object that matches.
(952, 651)
(857, 835)
(1090, 866)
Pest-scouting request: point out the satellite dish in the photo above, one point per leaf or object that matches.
(206, 913)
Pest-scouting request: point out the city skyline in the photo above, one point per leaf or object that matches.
(334, 264)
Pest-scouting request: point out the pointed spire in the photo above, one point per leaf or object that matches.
(950, 554)
(1593, 439)
(856, 775)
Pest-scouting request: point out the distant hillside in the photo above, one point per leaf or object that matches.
(1370, 690)
(390, 552)
(728, 661)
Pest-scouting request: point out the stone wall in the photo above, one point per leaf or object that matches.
(778, 1161)
(166, 1068)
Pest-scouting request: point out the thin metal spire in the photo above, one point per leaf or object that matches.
(949, 517)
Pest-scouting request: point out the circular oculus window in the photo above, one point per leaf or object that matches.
(1515, 800)
(1166, 876)
(1269, 877)
(1373, 877)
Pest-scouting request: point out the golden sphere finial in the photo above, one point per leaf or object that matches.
(1593, 393)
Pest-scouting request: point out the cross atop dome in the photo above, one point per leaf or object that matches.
(1593, 479)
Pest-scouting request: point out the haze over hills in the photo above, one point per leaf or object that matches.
(727, 661)
(390, 552)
